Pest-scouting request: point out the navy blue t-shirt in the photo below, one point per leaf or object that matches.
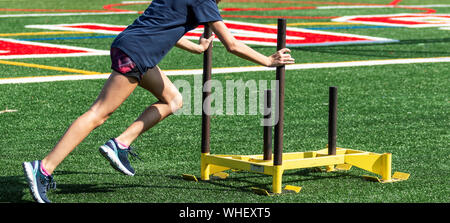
(155, 32)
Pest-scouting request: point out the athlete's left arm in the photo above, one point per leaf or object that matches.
(192, 47)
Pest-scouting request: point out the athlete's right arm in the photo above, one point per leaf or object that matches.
(238, 48)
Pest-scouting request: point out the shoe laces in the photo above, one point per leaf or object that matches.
(50, 183)
(132, 152)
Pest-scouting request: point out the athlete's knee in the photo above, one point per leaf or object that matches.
(176, 102)
(96, 117)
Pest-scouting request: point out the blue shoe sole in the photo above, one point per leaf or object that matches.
(110, 155)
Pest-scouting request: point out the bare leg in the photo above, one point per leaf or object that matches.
(113, 94)
(170, 100)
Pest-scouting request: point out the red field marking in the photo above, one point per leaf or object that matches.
(427, 10)
(49, 10)
(304, 37)
(389, 20)
(98, 27)
(297, 2)
(395, 2)
(249, 33)
(266, 9)
(275, 17)
(14, 49)
(402, 20)
(112, 7)
(83, 27)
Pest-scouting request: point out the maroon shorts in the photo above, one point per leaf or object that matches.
(123, 64)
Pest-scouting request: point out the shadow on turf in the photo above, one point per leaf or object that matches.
(13, 189)
(306, 174)
(66, 172)
(84, 188)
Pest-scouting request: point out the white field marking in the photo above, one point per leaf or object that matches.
(22, 80)
(368, 39)
(240, 33)
(99, 53)
(136, 12)
(136, 2)
(380, 6)
(88, 52)
(8, 110)
(66, 27)
(445, 28)
(355, 7)
(235, 69)
(337, 7)
(430, 6)
(398, 17)
(66, 14)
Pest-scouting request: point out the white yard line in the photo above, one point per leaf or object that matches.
(226, 70)
(380, 6)
(8, 111)
(65, 14)
(136, 2)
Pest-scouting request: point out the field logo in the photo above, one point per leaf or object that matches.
(15, 49)
(250, 33)
(401, 20)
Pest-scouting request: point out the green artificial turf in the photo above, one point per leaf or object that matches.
(401, 109)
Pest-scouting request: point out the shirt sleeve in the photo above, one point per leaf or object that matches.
(206, 11)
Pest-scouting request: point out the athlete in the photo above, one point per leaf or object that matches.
(135, 54)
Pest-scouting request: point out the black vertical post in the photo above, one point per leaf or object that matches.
(332, 121)
(267, 129)
(206, 120)
(280, 73)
